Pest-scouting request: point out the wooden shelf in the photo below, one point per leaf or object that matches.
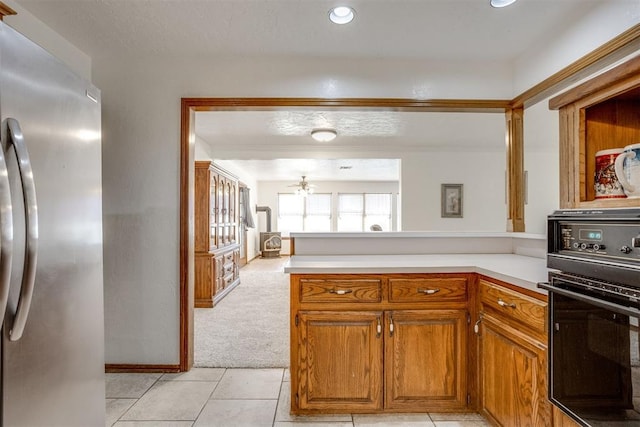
(601, 114)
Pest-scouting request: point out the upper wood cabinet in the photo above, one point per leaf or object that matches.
(216, 207)
(602, 113)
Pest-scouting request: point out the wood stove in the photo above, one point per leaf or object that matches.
(270, 244)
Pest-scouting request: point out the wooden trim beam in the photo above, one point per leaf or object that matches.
(385, 104)
(515, 169)
(187, 292)
(136, 368)
(610, 52)
(187, 138)
(615, 76)
(6, 11)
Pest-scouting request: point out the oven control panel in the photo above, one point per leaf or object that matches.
(595, 239)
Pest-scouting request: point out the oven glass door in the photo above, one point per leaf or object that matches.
(594, 355)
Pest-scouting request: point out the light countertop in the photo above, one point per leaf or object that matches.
(523, 271)
(416, 234)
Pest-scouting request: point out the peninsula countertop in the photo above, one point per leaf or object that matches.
(523, 271)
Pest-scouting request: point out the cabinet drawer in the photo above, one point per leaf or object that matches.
(228, 269)
(340, 290)
(515, 306)
(427, 290)
(228, 280)
(228, 257)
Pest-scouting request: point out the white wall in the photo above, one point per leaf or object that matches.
(541, 138)
(141, 111)
(34, 29)
(596, 28)
(541, 125)
(482, 175)
(141, 163)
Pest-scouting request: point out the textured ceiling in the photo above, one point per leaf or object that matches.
(251, 138)
(232, 133)
(319, 169)
(422, 29)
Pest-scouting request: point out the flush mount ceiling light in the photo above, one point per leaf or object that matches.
(501, 3)
(324, 135)
(341, 15)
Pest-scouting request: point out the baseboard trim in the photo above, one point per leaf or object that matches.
(131, 368)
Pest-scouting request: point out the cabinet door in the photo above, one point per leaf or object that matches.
(426, 360)
(513, 373)
(339, 361)
(215, 211)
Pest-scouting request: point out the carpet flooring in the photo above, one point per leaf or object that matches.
(249, 328)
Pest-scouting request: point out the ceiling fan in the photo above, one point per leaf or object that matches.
(304, 188)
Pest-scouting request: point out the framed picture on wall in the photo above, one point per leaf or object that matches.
(451, 200)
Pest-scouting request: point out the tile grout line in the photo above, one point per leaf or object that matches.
(209, 398)
(275, 413)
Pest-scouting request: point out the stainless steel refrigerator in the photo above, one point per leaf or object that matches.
(50, 241)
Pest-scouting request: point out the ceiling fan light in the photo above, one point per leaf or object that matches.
(324, 135)
(501, 3)
(341, 15)
(304, 192)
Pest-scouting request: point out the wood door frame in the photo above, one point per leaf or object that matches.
(189, 106)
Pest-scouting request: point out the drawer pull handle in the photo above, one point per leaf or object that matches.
(379, 329)
(340, 291)
(428, 291)
(501, 303)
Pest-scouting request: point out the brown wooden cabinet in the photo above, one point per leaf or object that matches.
(402, 343)
(216, 226)
(597, 115)
(340, 361)
(512, 357)
(379, 343)
(425, 360)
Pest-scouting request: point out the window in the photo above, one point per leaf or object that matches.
(317, 212)
(377, 210)
(310, 213)
(350, 212)
(359, 211)
(290, 213)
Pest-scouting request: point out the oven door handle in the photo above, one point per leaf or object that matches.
(591, 300)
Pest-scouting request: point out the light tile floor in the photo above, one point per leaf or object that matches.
(235, 398)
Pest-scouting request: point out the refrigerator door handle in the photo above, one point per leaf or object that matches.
(31, 223)
(6, 236)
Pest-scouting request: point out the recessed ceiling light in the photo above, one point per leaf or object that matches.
(324, 135)
(501, 3)
(341, 15)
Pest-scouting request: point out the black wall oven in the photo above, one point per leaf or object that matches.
(594, 312)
